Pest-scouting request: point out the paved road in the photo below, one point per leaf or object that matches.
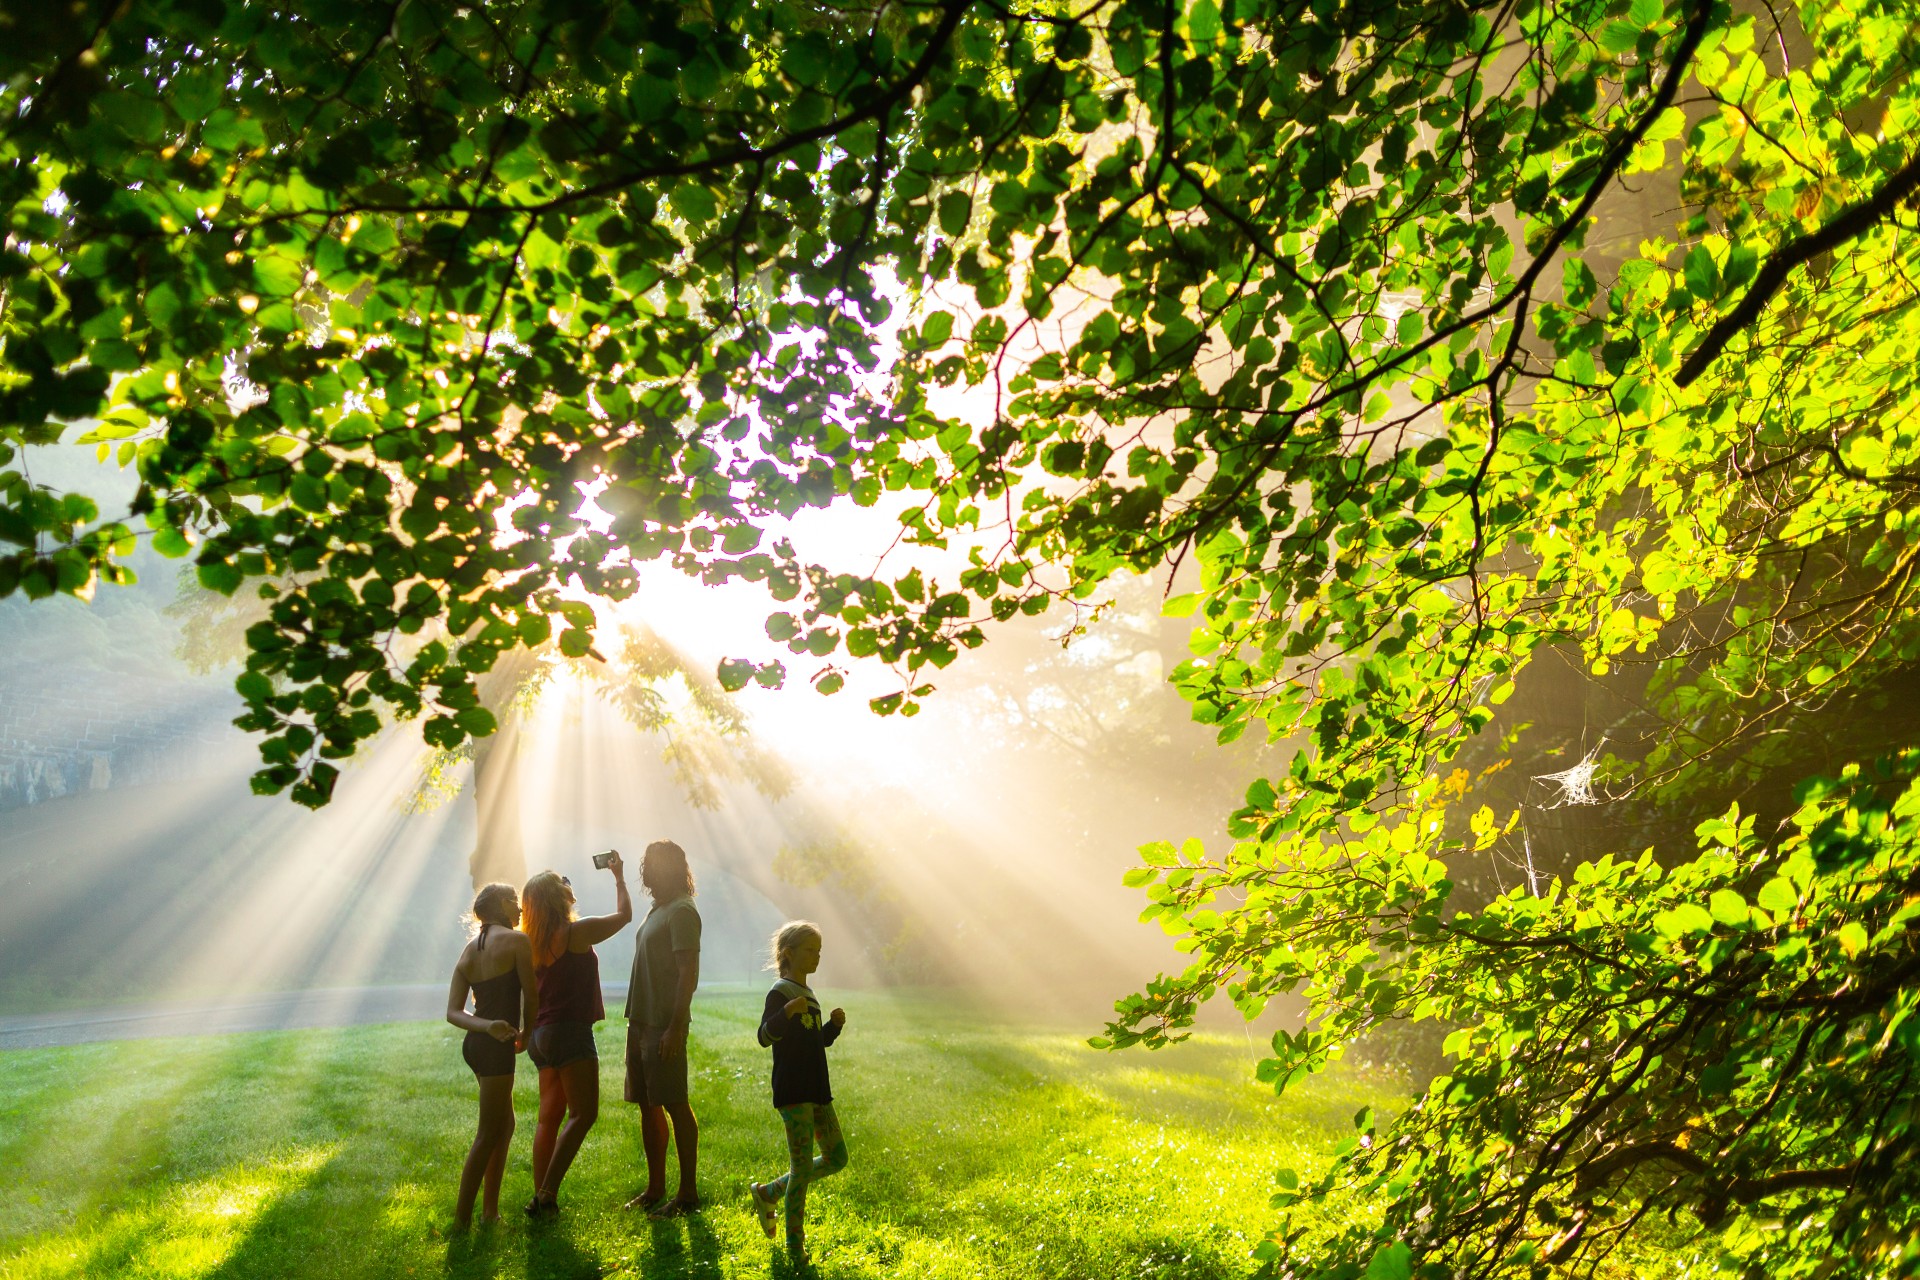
(330, 1007)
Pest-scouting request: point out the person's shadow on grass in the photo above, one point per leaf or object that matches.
(550, 1254)
(477, 1254)
(697, 1253)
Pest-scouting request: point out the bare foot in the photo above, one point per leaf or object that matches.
(675, 1207)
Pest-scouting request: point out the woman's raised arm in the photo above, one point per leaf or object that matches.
(588, 930)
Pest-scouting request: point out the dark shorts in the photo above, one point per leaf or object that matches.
(558, 1043)
(487, 1056)
(654, 1080)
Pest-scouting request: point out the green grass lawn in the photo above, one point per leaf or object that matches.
(978, 1149)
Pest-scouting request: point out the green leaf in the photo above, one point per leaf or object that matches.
(476, 721)
(1682, 921)
(1181, 606)
(219, 576)
(956, 210)
(1702, 273)
(1729, 908)
(1392, 1262)
(1159, 853)
(693, 202)
(650, 98)
(277, 275)
(1203, 22)
(137, 116)
(1778, 896)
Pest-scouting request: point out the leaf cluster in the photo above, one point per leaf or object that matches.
(1733, 1039)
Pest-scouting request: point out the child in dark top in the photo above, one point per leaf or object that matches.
(799, 1035)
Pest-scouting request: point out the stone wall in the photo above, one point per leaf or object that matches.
(61, 732)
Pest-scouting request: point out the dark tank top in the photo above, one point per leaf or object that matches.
(570, 989)
(497, 997)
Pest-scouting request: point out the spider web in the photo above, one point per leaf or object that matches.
(1576, 783)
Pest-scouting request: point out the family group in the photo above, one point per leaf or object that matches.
(529, 981)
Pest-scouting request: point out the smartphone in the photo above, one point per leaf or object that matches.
(601, 861)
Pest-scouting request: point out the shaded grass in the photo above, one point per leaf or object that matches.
(978, 1149)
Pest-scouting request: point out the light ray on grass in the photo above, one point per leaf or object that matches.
(980, 1149)
(185, 1230)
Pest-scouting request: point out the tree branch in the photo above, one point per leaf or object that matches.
(1850, 224)
(1611, 161)
(874, 108)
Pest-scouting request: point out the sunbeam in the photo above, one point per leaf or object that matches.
(959, 845)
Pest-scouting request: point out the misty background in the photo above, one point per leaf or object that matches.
(980, 843)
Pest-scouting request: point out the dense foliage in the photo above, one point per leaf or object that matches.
(1735, 1039)
(1309, 292)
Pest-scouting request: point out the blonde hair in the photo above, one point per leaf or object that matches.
(546, 907)
(785, 939)
(489, 908)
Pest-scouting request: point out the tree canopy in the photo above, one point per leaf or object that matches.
(1307, 293)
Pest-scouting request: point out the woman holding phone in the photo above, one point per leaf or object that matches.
(568, 974)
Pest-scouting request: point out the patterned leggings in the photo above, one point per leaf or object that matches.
(806, 1122)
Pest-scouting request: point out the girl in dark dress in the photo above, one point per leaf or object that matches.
(496, 969)
(799, 1035)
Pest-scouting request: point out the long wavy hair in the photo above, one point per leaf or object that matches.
(671, 871)
(546, 909)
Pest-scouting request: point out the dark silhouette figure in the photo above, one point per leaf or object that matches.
(562, 1044)
(666, 972)
(799, 1035)
(496, 969)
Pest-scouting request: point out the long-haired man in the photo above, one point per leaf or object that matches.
(666, 969)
